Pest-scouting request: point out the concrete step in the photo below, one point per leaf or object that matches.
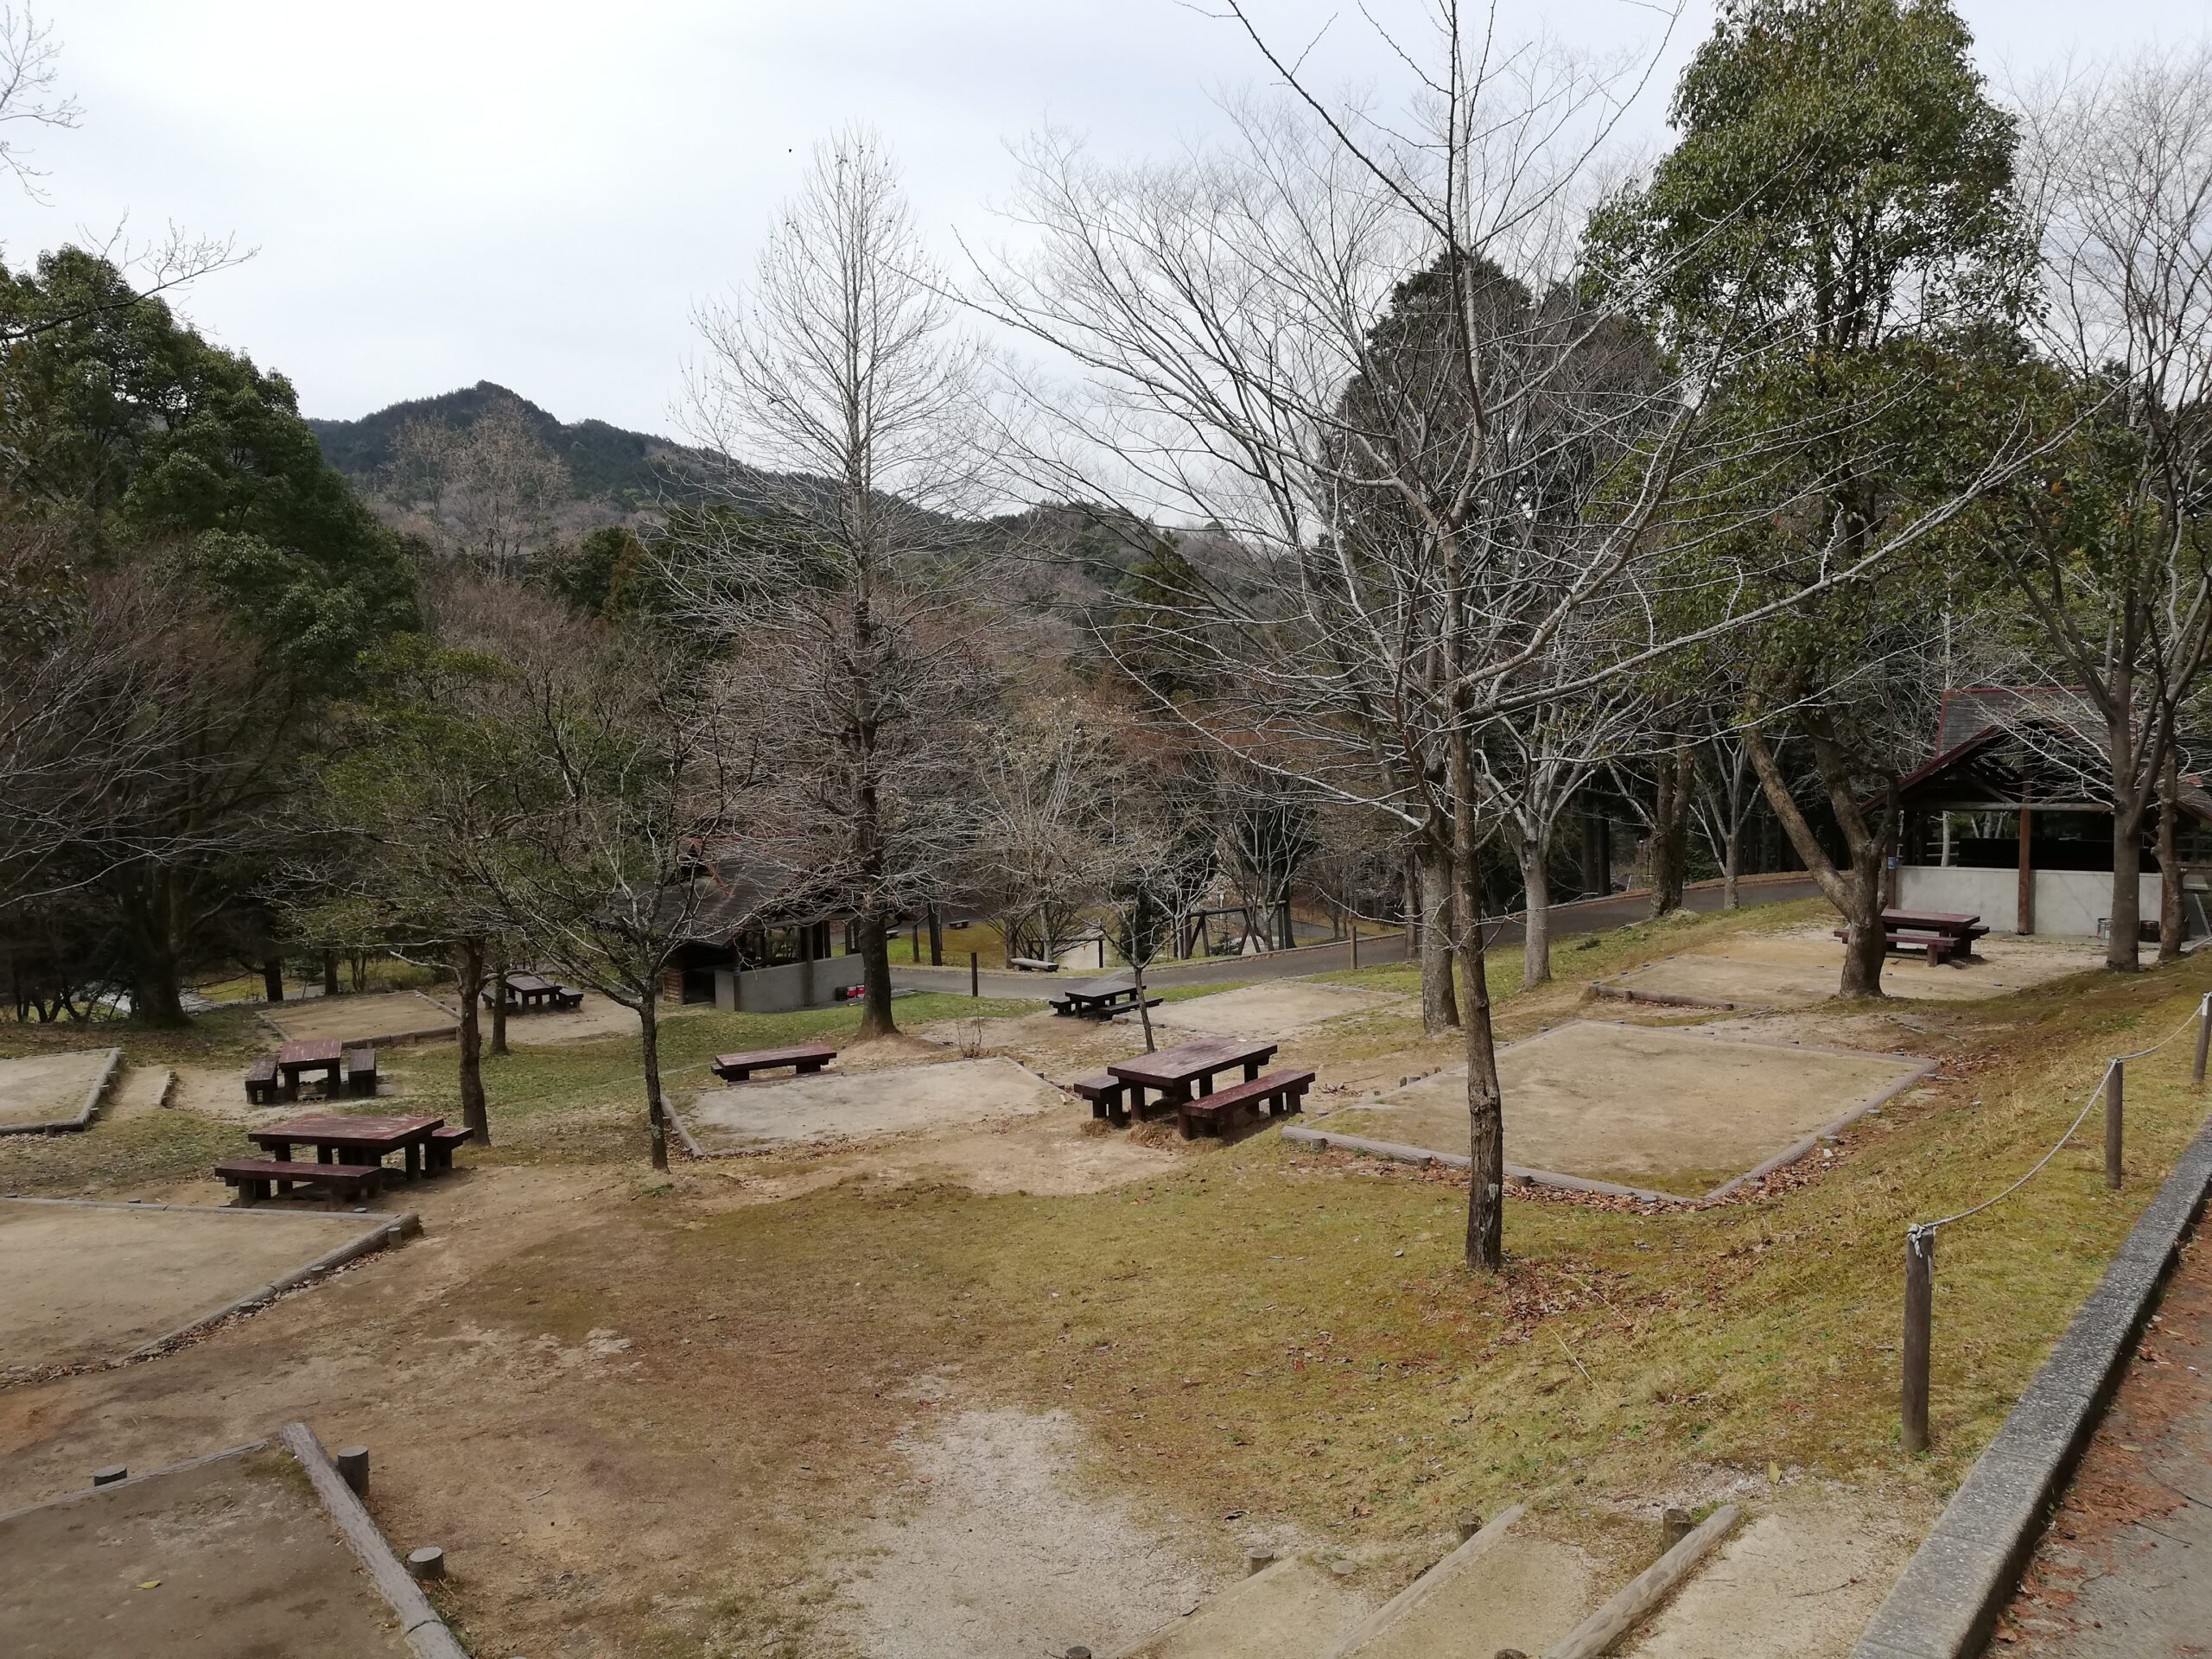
(1501, 1589)
(1293, 1610)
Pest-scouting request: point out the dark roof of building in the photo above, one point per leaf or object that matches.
(2013, 744)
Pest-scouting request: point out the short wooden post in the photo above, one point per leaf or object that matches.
(2203, 1039)
(975, 974)
(2114, 1088)
(353, 1463)
(428, 1562)
(111, 1475)
(1258, 1560)
(1675, 1526)
(1919, 1305)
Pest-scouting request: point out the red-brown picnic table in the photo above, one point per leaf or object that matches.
(530, 991)
(326, 1055)
(332, 1133)
(1956, 924)
(1174, 1071)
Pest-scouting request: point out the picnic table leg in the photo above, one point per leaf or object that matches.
(1251, 1070)
(414, 1159)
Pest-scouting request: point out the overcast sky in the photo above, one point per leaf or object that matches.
(445, 191)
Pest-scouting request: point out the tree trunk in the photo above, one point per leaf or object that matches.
(655, 1106)
(1485, 1111)
(1670, 822)
(937, 936)
(272, 978)
(157, 981)
(330, 973)
(2123, 945)
(1857, 892)
(1731, 869)
(2170, 924)
(1144, 1013)
(1597, 854)
(876, 968)
(498, 976)
(469, 973)
(1440, 1007)
(1536, 926)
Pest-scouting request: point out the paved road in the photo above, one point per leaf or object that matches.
(2126, 1570)
(1582, 916)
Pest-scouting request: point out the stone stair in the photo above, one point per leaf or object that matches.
(1503, 1590)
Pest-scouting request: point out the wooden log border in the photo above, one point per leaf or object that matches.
(419, 1622)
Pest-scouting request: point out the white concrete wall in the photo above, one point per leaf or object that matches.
(791, 985)
(2069, 903)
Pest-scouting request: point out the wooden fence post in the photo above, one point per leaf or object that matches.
(1919, 1305)
(974, 976)
(2114, 1086)
(2203, 1039)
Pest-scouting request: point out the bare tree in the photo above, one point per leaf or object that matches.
(848, 576)
(636, 768)
(494, 491)
(2119, 575)
(30, 95)
(29, 91)
(1726, 791)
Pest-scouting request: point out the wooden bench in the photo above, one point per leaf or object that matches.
(438, 1150)
(1032, 965)
(803, 1058)
(261, 1084)
(1282, 1092)
(1108, 1095)
(340, 1182)
(361, 1071)
(1940, 948)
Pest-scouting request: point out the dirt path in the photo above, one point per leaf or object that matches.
(2125, 1570)
(989, 1546)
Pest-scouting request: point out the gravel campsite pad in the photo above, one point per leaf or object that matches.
(229, 1555)
(378, 1016)
(1267, 1010)
(1645, 1106)
(835, 1105)
(94, 1281)
(47, 1088)
(1803, 966)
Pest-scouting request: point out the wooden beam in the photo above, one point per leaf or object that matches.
(2027, 916)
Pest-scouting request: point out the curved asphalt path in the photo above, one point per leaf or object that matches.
(1568, 920)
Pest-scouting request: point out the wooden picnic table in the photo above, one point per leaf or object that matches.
(326, 1055)
(1950, 923)
(369, 1140)
(531, 991)
(1098, 998)
(1175, 1072)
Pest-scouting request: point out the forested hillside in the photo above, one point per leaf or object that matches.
(607, 462)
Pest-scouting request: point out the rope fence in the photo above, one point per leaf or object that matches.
(1920, 1238)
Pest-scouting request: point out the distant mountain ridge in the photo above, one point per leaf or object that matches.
(609, 462)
